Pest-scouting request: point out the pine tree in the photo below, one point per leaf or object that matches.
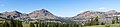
(12, 23)
(18, 23)
(117, 19)
(113, 21)
(1, 24)
(93, 21)
(36, 24)
(96, 21)
(102, 23)
(32, 25)
(5, 24)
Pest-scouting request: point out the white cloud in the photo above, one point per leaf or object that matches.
(102, 8)
(107, 9)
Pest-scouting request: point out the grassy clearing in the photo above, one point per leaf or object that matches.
(115, 25)
(96, 26)
(111, 25)
(25, 24)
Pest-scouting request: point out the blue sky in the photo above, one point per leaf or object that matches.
(64, 8)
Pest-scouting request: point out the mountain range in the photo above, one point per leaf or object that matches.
(91, 14)
(35, 14)
(47, 15)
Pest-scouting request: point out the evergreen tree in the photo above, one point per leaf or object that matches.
(5, 24)
(117, 19)
(18, 23)
(93, 21)
(113, 21)
(1, 24)
(36, 24)
(12, 23)
(32, 25)
(102, 23)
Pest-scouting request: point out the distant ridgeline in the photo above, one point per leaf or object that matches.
(87, 18)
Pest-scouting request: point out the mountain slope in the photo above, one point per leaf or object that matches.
(92, 14)
(42, 14)
(13, 14)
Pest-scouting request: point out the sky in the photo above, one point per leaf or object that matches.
(64, 8)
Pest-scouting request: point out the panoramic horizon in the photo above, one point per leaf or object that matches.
(63, 16)
(59, 13)
(63, 8)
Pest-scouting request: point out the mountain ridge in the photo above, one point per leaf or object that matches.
(46, 14)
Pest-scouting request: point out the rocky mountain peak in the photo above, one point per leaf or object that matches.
(41, 14)
(11, 13)
(112, 12)
(42, 11)
(89, 14)
(16, 12)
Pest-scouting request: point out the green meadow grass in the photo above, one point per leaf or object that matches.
(111, 25)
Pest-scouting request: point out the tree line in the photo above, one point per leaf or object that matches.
(17, 23)
(11, 23)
